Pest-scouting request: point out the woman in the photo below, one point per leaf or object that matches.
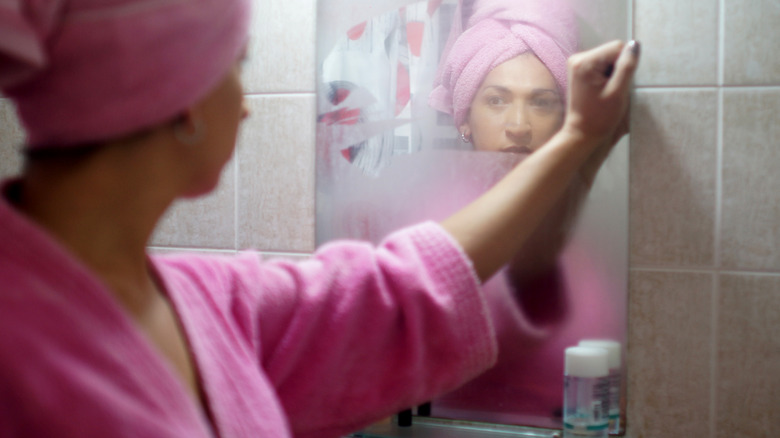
(502, 75)
(503, 79)
(517, 107)
(131, 104)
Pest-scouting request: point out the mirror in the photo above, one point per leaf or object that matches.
(422, 106)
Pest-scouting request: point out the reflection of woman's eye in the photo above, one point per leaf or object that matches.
(545, 103)
(495, 100)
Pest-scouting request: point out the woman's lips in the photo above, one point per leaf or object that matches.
(517, 150)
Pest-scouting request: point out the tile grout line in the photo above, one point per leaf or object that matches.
(721, 42)
(717, 238)
(667, 87)
(631, 22)
(704, 270)
(714, 310)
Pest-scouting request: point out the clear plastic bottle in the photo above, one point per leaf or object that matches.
(586, 393)
(615, 377)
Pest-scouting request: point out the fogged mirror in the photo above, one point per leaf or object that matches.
(422, 106)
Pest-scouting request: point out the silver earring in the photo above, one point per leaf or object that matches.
(463, 137)
(190, 137)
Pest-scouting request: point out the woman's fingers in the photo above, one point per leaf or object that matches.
(625, 66)
(600, 81)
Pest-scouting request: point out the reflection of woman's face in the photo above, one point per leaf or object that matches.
(516, 109)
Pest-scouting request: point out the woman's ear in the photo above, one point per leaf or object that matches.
(188, 127)
(465, 131)
(465, 128)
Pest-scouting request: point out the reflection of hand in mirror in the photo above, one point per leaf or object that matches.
(504, 82)
(524, 220)
(598, 105)
(517, 204)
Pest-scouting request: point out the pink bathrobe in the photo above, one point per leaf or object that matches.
(312, 349)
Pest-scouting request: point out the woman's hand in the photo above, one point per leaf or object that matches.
(599, 89)
(494, 227)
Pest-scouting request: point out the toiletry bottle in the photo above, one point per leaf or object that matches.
(615, 377)
(586, 393)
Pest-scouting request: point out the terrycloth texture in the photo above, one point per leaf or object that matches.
(314, 349)
(81, 71)
(497, 31)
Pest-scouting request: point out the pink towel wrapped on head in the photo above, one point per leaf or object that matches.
(495, 32)
(83, 71)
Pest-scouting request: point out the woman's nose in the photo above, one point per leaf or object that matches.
(518, 127)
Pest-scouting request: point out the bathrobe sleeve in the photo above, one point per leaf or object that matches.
(357, 332)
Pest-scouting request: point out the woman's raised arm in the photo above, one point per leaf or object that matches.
(495, 226)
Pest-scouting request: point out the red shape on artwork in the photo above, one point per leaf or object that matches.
(414, 34)
(342, 116)
(402, 91)
(340, 95)
(433, 5)
(357, 31)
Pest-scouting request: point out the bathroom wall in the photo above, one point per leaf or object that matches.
(266, 196)
(704, 324)
(704, 313)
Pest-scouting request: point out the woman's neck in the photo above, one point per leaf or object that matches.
(103, 208)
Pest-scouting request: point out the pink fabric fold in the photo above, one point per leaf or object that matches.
(314, 349)
(495, 32)
(83, 71)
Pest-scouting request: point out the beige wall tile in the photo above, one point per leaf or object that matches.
(602, 20)
(750, 42)
(281, 49)
(669, 354)
(679, 41)
(751, 156)
(207, 222)
(673, 178)
(11, 140)
(276, 175)
(748, 376)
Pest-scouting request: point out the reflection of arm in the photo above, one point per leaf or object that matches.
(539, 254)
(535, 274)
(495, 227)
(543, 247)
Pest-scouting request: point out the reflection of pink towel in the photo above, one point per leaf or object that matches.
(497, 31)
(82, 71)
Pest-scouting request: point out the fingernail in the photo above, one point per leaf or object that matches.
(634, 47)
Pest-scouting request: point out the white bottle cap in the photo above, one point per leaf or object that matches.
(586, 362)
(612, 347)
